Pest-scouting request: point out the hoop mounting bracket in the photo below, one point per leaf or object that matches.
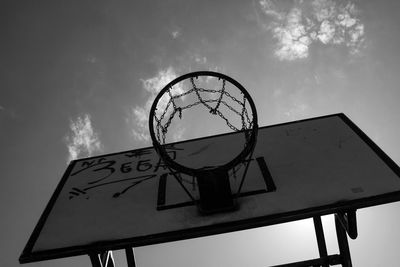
(215, 192)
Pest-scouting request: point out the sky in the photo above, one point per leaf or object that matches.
(77, 79)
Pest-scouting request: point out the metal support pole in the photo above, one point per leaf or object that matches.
(326, 260)
(348, 220)
(104, 259)
(319, 232)
(332, 259)
(343, 243)
(130, 257)
(95, 260)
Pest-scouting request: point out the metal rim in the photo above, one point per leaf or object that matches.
(191, 171)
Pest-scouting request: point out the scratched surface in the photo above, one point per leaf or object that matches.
(132, 194)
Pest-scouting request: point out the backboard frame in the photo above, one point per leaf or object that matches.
(28, 255)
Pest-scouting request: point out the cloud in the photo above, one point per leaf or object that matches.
(293, 41)
(2, 108)
(326, 32)
(323, 21)
(156, 83)
(174, 31)
(270, 9)
(297, 109)
(199, 59)
(137, 120)
(83, 141)
(175, 34)
(138, 116)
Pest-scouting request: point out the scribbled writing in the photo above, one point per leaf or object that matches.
(106, 171)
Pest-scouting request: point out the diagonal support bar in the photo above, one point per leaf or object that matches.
(95, 260)
(319, 232)
(343, 243)
(130, 257)
(326, 260)
(104, 259)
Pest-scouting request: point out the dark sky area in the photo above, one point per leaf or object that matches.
(77, 79)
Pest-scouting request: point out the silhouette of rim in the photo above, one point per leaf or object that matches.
(160, 148)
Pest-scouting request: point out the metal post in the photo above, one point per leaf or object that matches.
(130, 257)
(343, 243)
(104, 259)
(319, 232)
(95, 260)
(332, 259)
(349, 222)
(107, 259)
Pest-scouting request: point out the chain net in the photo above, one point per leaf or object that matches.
(237, 106)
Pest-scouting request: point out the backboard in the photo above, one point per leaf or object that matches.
(298, 170)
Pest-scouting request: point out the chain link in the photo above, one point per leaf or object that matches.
(161, 130)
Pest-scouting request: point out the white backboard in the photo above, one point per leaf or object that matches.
(318, 166)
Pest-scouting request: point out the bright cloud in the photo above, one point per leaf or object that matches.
(156, 83)
(270, 9)
(324, 21)
(83, 141)
(326, 32)
(139, 115)
(292, 37)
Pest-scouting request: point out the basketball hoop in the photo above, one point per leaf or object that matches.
(226, 99)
